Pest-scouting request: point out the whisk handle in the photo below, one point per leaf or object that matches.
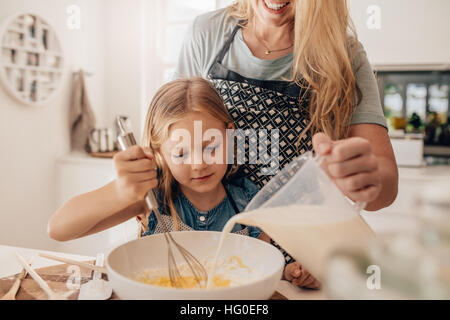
(150, 201)
(126, 139)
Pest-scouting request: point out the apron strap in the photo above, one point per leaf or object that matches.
(227, 45)
(219, 71)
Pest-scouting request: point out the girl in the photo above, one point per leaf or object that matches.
(200, 195)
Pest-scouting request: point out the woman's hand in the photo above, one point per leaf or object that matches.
(136, 174)
(351, 164)
(298, 276)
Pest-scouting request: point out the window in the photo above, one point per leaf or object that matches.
(393, 101)
(165, 23)
(176, 17)
(439, 101)
(418, 102)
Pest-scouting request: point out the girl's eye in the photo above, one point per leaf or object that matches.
(179, 156)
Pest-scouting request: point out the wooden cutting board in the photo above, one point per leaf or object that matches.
(57, 277)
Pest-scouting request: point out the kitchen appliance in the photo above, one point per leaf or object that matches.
(408, 149)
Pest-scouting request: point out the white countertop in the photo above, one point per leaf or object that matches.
(429, 173)
(9, 266)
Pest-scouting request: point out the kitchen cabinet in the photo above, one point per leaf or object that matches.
(80, 173)
(408, 152)
(411, 31)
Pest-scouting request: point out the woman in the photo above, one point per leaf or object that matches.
(298, 67)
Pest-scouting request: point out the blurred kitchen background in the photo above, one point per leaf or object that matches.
(128, 48)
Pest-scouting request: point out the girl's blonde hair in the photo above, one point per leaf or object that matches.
(324, 47)
(169, 105)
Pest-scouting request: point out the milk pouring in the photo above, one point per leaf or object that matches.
(305, 213)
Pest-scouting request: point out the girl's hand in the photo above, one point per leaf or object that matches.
(136, 174)
(298, 276)
(351, 164)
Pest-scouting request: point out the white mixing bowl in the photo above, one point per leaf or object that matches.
(150, 252)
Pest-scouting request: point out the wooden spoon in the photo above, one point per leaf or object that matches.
(11, 294)
(50, 293)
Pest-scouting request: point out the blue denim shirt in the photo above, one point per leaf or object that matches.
(242, 190)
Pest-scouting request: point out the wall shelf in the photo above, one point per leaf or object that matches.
(31, 68)
(16, 30)
(30, 50)
(31, 61)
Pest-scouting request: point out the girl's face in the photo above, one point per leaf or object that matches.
(197, 165)
(275, 12)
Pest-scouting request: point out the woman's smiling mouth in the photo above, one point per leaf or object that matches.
(275, 7)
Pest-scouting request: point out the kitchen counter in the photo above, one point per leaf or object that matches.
(9, 266)
(413, 186)
(427, 173)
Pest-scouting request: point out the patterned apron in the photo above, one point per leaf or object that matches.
(258, 105)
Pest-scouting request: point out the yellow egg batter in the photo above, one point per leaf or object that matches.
(240, 263)
(184, 282)
(189, 282)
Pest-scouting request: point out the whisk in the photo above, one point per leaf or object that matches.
(126, 139)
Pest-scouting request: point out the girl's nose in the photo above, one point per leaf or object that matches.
(199, 162)
(199, 166)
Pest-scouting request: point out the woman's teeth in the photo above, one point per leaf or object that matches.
(275, 6)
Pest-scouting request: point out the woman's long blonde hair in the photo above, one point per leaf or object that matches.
(169, 105)
(325, 46)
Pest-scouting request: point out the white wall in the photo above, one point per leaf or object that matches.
(412, 31)
(31, 138)
(124, 61)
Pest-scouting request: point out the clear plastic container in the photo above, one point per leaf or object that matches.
(303, 182)
(306, 214)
